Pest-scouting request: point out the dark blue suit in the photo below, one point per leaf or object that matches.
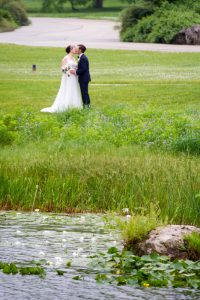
(84, 78)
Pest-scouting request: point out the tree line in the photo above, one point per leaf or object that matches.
(58, 4)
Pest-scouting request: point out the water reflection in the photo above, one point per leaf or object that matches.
(60, 239)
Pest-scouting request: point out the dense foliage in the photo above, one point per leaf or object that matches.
(117, 126)
(12, 15)
(158, 21)
(57, 5)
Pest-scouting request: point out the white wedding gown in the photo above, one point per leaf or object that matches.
(69, 95)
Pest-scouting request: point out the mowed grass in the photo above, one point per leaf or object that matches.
(111, 10)
(138, 144)
(118, 77)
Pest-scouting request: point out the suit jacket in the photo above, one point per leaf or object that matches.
(83, 69)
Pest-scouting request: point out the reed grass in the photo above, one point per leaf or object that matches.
(82, 179)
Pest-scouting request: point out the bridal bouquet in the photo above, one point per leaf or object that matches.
(66, 69)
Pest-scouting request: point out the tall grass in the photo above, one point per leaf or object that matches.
(139, 143)
(99, 178)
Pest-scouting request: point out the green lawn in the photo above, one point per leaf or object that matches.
(139, 143)
(111, 10)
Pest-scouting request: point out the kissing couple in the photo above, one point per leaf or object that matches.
(73, 92)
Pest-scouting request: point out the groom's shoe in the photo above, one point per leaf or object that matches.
(86, 106)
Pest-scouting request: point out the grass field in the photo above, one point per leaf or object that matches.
(139, 143)
(111, 10)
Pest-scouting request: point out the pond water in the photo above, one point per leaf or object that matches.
(58, 239)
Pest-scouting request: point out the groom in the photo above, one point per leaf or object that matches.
(83, 74)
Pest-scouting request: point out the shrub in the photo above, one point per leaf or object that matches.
(18, 12)
(12, 15)
(169, 22)
(139, 32)
(6, 21)
(4, 14)
(159, 27)
(132, 14)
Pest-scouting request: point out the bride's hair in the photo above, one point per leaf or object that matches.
(69, 48)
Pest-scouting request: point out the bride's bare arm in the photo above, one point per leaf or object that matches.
(64, 62)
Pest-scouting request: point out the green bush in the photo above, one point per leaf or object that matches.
(132, 14)
(170, 22)
(139, 32)
(6, 21)
(4, 14)
(162, 26)
(12, 15)
(18, 12)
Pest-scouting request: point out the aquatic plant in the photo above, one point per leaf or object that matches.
(147, 271)
(12, 268)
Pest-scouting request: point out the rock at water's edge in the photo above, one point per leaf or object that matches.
(166, 241)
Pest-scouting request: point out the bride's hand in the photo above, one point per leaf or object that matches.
(72, 71)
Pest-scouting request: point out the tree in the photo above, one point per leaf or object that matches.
(57, 5)
(159, 2)
(98, 3)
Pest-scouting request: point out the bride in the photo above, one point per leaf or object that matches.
(69, 95)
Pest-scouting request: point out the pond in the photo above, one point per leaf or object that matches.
(58, 239)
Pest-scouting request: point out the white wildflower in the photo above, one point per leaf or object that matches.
(125, 210)
(82, 219)
(81, 239)
(74, 254)
(93, 240)
(79, 250)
